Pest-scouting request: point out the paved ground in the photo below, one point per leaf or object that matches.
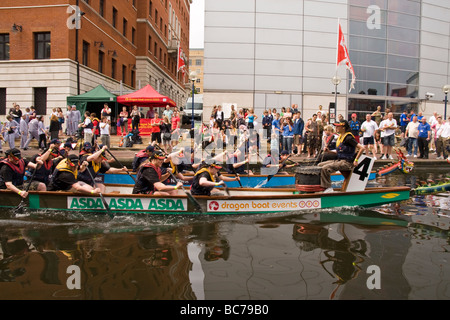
(126, 155)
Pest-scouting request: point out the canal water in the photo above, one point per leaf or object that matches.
(391, 252)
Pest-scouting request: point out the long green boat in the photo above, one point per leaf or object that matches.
(238, 201)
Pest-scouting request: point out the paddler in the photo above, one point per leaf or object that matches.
(149, 177)
(141, 156)
(65, 176)
(348, 152)
(271, 165)
(12, 172)
(209, 177)
(97, 163)
(49, 159)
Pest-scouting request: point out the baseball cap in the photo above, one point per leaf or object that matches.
(284, 152)
(354, 115)
(342, 123)
(55, 141)
(87, 145)
(68, 145)
(213, 163)
(158, 155)
(73, 160)
(14, 152)
(150, 148)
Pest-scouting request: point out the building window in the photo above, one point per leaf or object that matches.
(113, 68)
(198, 62)
(2, 101)
(114, 18)
(133, 75)
(124, 73)
(125, 24)
(101, 9)
(4, 46)
(133, 35)
(40, 100)
(85, 57)
(150, 43)
(150, 8)
(42, 45)
(101, 59)
(155, 48)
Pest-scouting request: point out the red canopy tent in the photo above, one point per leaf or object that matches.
(145, 97)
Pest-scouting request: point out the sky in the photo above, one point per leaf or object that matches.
(196, 32)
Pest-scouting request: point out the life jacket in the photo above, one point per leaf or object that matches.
(18, 172)
(142, 186)
(345, 151)
(62, 166)
(196, 188)
(44, 173)
(93, 167)
(140, 157)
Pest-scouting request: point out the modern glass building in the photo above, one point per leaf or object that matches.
(272, 54)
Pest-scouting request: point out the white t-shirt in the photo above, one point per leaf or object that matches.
(104, 128)
(413, 129)
(87, 121)
(387, 123)
(369, 128)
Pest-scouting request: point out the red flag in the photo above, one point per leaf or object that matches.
(342, 55)
(181, 65)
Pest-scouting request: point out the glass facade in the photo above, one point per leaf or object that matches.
(384, 50)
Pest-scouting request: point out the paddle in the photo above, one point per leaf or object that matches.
(271, 176)
(197, 205)
(120, 164)
(108, 211)
(21, 204)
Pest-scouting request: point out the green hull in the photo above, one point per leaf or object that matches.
(268, 201)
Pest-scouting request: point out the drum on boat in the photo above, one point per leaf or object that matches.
(307, 179)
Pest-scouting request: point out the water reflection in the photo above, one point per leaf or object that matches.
(310, 255)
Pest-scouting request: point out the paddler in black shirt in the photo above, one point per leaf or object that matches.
(65, 177)
(49, 160)
(347, 147)
(12, 172)
(97, 163)
(209, 177)
(149, 177)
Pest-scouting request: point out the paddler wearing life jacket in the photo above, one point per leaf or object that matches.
(149, 178)
(49, 159)
(274, 164)
(236, 163)
(141, 156)
(348, 152)
(65, 177)
(12, 172)
(208, 177)
(97, 163)
(175, 163)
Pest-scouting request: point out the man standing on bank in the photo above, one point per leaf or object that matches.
(346, 147)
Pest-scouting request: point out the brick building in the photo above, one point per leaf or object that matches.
(51, 49)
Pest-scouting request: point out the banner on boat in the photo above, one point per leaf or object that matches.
(129, 204)
(263, 205)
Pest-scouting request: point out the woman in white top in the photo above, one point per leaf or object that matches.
(105, 132)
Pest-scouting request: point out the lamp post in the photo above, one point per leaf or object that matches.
(193, 78)
(336, 80)
(446, 90)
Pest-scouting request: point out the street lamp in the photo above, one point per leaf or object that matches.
(446, 90)
(336, 80)
(193, 78)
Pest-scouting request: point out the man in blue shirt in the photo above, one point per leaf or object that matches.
(299, 125)
(424, 138)
(355, 127)
(276, 128)
(267, 124)
(404, 120)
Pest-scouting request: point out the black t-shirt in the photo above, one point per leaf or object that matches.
(7, 174)
(146, 179)
(63, 181)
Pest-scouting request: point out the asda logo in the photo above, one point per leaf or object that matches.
(161, 204)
